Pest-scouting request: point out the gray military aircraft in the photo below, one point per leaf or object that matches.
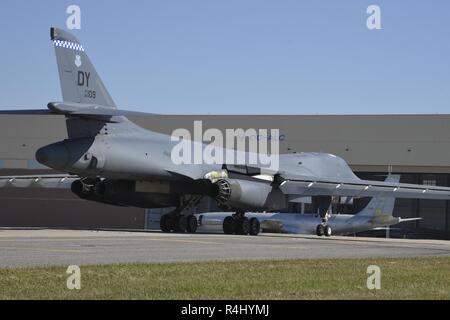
(112, 160)
(376, 215)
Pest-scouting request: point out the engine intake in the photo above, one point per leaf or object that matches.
(249, 195)
(223, 191)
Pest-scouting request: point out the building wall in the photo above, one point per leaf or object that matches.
(410, 143)
(418, 146)
(59, 208)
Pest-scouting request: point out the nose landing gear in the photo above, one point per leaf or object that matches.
(323, 230)
(324, 208)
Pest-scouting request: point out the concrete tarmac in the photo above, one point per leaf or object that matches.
(24, 248)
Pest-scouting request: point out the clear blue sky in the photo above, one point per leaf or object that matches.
(238, 56)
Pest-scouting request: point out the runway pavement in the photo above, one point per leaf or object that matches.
(21, 248)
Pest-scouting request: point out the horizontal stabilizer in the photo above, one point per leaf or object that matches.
(80, 109)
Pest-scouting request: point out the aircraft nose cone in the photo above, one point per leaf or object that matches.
(54, 156)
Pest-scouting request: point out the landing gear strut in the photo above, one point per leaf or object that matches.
(180, 224)
(323, 204)
(166, 223)
(176, 221)
(238, 223)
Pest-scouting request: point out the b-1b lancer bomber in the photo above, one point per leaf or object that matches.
(110, 159)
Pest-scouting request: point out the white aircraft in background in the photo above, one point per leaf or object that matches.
(377, 214)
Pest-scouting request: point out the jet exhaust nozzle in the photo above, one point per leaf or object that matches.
(77, 187)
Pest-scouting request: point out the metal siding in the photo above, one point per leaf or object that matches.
(368, 143)
(62, 209)
(372, 141)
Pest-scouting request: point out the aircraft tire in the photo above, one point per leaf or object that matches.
(320, 230)
(165, 223)
(181, 224)
(255, 227)
(327, 231)
(228, 225)
(242, 226)
(192, 224)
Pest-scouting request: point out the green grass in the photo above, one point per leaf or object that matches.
(412, 278)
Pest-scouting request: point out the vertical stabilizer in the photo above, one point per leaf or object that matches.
(80, 83)
(380, 206)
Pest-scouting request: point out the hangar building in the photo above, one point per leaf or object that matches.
(415, 146)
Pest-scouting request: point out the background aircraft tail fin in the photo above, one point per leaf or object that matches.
(80, 83)
(381, 206)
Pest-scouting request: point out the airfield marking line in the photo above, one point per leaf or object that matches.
(284, 246)
(161, 239)
(276, 246)
(353, 239)
(380, 241)
(58, 239)
(144, 239)
(190, 240)
(348, 241)
(182, 237)
(184, 241)
(108, 239)
(434, 246)
(240, 240)
(44, 249)
(387, 244)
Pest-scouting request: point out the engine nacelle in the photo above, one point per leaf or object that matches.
(122, 193)
(111, 188)
(249, 195)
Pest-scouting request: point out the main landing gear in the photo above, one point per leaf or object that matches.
(178, 223)
(238, 223)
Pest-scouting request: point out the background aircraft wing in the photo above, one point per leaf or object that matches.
(409, 219)
(25, 112)
(362, 188)
(38, 181)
